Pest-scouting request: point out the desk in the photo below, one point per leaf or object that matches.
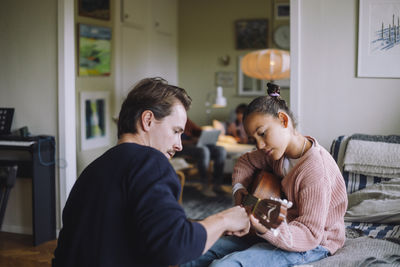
(34, 157)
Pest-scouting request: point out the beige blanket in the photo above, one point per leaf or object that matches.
(373, 158)
(363, 252)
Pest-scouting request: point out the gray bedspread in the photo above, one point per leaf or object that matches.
(363, 251)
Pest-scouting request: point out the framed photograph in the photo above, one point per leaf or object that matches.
(248, 86)
(379, 39)
(225, 78)
(99, 9)
(251, 33)
(94, 50)
(94, 122)
(282, 11)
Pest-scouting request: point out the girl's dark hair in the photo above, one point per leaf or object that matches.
(153, 94)
(270, 104)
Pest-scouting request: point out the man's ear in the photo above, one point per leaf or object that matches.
(284, 118)
(147, 120)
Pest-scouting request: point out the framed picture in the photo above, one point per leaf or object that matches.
(282, 11)
(99, 9)
(225, 78)
(94, 122)
(248, 86)
(94, 50)
(379, 39)
(251, 33)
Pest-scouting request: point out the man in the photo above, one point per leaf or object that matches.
(123, 209)
(202, 154)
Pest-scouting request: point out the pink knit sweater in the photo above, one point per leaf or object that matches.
(317, 190)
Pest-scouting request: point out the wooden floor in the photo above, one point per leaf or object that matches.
(17, 250)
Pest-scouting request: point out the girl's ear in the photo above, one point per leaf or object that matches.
(284, 118)
(147, 119)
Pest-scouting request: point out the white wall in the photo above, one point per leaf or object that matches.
(333, 101)
(28, 82)
(146, 42)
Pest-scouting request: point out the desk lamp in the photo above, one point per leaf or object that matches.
(219, 101)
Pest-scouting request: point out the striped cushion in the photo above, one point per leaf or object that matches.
(353, 181)
(376, 230)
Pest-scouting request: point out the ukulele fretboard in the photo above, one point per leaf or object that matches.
(249, 200)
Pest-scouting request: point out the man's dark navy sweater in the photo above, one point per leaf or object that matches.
(123, 211)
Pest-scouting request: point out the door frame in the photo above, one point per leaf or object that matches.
(66, 102)
(295, 59)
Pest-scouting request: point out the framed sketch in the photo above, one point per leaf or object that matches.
(225, 78)
(94, 122)
(379, 39)
(99, 9)
(94, 50)
(282, 11)
(248, 86)
(251, 33)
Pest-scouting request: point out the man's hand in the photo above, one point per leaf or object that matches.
(237, 215)
(236, 220)
(230, 221)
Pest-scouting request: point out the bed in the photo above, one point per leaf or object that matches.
(370, 165)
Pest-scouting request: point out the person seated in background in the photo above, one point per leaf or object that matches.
(203, 154)
(236, 128)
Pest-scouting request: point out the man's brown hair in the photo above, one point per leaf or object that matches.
(154, 94)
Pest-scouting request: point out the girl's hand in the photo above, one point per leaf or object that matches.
(239, 195)
(260, 229)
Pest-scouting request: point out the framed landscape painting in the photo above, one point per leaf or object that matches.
(94, 50)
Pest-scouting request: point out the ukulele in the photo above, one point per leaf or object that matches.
(264, 200)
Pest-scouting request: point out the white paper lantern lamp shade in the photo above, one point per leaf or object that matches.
(267, 64)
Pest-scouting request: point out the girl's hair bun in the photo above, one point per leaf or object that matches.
(273, 89)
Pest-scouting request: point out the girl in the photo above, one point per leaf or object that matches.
(236, 128)
(310, 179)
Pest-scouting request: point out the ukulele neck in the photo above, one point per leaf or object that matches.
(249, 200)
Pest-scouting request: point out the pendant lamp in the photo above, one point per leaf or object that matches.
(267, 64)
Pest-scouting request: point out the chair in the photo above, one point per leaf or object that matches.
(8, 175)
